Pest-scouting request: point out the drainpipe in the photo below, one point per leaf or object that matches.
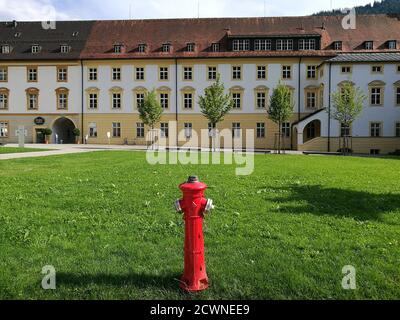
(299, 93)
(329, 107)
(82, 139)
(176, 100)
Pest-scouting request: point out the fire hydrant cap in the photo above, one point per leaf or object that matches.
(193, 185)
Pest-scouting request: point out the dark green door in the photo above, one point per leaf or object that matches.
(40, 138)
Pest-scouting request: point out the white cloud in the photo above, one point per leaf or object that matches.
(138, 9)
(31, 10)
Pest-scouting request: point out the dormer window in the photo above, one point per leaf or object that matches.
(118, 48)
(64, 48)
(284, 44)
(215, 47)
(166, 47)
(190, 47)
(369, 45)
(142, 47)
(5, 49)
(338, 46)
(392, 44)
(35, 48)
(241, 45)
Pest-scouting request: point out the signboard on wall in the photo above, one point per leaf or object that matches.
(39, 121)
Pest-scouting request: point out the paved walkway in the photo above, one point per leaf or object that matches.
(60, 149)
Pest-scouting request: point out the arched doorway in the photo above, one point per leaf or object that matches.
(63, 131)
(312, 130)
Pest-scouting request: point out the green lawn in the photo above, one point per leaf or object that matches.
(105, 220)
(4, 150)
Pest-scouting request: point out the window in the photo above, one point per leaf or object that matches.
(5, 49)
(164, 100)
(375, 129)
(190, 47)
(262, 45)
(286, 72)
(392, 45)
(369, 45)
(261, 100)
(311, 72)
(215, 47)
(311, 99)
(62, 74)
(236, 72)
(3, 74)
(377, 69)
(346, 69)
(397, 129)
(62, 100)
(92, 130)
(35, 48)
(212, 73)
(261, 72)
(139, 73)
(188, 100)
(284, 44)
(261, 130)
(337, 45)
(188, 130)
(139, 130)
(376, 96)
(139, 99)
(241, 45)
(116, 129)
(118, 48)
(93, 100)
(33, 101)
(235, 130)
(92, 74)
(398, 96)
(32, 74)
(187, 73)
(64, 48)
(374, 152)
(116, 74)
(163, 73)
(116, 100)
(164, 130)
(3, 99)
(307, 44)
(286, 129)
(345, 130)
(166, 47)
(237, 100)
(142, 48)
(3, 129)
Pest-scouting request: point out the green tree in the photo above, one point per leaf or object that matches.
(150, 111)
(280, 109)
(347, 105)
(215, 103)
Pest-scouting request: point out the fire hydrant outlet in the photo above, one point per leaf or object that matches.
(194, 205)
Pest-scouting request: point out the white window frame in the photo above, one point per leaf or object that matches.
(116, 129)
(262, 45)
(284, 44)
(241, 45)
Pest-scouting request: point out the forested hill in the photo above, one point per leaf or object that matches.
(385, 6)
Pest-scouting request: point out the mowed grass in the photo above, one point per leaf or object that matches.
(105, 221)
(5, 150)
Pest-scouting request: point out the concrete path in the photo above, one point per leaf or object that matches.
(60, 149)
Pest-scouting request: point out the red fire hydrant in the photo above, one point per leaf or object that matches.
(194, 205)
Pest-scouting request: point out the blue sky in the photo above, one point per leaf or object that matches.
(143, 9)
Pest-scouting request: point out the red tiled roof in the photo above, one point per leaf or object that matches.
(204, 32)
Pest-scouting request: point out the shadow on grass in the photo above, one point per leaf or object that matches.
(140, 281)
(317, 200)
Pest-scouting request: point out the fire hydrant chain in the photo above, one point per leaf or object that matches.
(194, 206)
